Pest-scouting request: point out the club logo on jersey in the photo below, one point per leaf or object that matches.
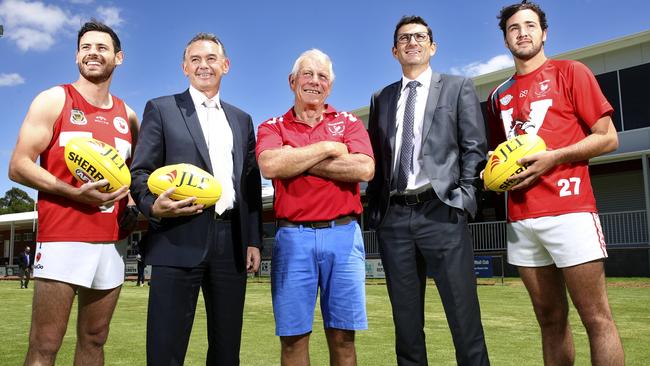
(506, 99)
(349, 116)
(336, 128)
(523, 93)
(542, 88)
(38, 257)
(120, 125)
(78, 117)
(101, 119)
(519, 128)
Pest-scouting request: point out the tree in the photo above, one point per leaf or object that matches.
(16, 200)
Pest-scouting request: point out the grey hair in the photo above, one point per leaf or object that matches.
(314, 54)
(205, 37)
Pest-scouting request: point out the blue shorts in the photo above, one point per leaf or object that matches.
(305, 259)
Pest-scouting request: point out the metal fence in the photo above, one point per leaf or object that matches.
(625, 229)
(371, 244)
(489, 236)
(621, 229)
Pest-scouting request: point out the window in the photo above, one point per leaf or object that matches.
(28, 236)
(609, 85)
(634, 94)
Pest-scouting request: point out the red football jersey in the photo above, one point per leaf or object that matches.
(60, 219)
(308, 197)
(559, 102)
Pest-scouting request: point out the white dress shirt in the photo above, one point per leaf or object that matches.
(218, 137)
(417, 178)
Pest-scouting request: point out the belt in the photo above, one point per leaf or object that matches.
(413, 199)
(224, 216)
(343, 220)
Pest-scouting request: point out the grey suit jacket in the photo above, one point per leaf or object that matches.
(170, 134)
(453, 143)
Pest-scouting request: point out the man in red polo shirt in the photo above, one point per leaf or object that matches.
(316, 158)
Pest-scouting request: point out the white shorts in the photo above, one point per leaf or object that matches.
(98, 266)
(566, 240)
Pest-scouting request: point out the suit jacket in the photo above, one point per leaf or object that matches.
(170, 134)
(22, 260)
(453, 143)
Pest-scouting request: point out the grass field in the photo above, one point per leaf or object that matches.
(511, 331)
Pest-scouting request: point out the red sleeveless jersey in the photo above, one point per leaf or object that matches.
(61, 219)
(560, 102)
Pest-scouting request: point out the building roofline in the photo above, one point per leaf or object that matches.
(577, 54)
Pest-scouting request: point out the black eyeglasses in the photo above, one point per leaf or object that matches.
(420, 37)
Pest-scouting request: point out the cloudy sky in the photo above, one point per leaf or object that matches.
(263, 38)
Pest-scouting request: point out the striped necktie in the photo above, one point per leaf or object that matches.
(406, 152)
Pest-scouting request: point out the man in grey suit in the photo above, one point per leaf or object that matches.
(191, 247)
(429, 144)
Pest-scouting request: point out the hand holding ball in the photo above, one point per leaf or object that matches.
(91, 160)
(502, 164)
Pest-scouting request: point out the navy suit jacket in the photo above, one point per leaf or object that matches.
(453, 143)
(170, 134)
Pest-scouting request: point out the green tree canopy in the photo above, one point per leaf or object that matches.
(16, 200)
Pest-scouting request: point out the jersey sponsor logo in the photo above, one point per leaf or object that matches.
(101, 119)
(38, 266)
(336, 128)
(120, 125)
(77, 117)
(523, 93)
(38, 257)
(542, 88)
(506, 99)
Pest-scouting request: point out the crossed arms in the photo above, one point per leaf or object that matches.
(326, 159)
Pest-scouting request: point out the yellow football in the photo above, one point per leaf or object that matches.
(190, 181)
(90, 160)
(502, 164)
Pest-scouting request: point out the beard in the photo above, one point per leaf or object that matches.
(99, 76)
(527, 54)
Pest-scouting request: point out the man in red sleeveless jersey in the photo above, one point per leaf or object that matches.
(79, 247)
(554, 233)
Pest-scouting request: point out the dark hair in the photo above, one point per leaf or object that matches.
(205, 37)
(97, 26)
(508, 11)
(411, 19)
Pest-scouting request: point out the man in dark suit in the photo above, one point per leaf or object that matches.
(429, 144)
(191, 247)
(25, 264)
